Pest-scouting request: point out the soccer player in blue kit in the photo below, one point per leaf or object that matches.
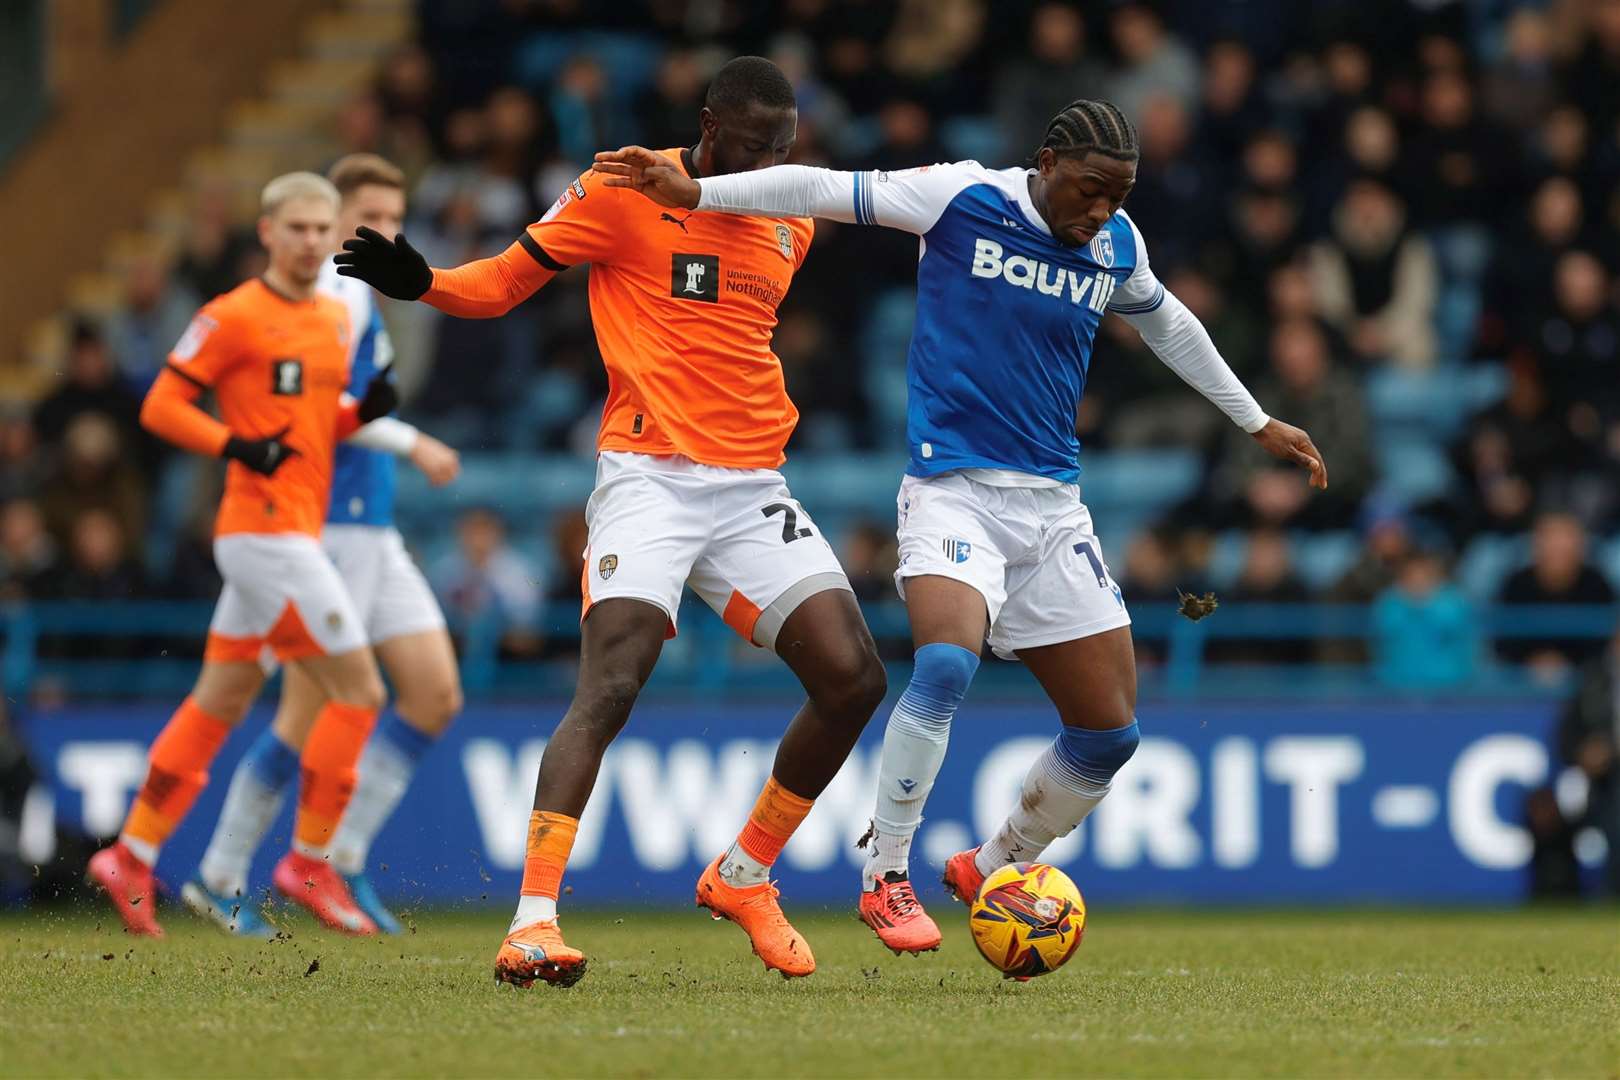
(1016, 268)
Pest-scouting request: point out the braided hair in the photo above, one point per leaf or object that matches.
(1091, 127)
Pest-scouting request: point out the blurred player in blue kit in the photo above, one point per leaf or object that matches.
(1016, 269)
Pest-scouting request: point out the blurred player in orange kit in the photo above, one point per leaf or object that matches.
(687, 492)
(276, 356)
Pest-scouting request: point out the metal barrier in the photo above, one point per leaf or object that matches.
(708, 660)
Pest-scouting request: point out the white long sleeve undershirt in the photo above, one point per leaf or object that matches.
(914, 200)
(390, 435)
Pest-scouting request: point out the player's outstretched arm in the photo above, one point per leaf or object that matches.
(436, 461)
(911, 200)
(482, 289)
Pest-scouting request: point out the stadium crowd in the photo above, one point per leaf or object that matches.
(1400, 221)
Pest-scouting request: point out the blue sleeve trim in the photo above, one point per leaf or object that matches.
(860, 219)
(1140, 309)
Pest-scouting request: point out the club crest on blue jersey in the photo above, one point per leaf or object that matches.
(1102, 248)
(957, 551)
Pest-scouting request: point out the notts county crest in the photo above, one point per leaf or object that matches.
(784, 240)
(1102, 249)
(606, 565)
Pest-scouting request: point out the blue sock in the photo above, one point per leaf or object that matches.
(273, 762)
(411, 743)
(1093, 757)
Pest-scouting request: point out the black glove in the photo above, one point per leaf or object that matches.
(380, 400)
(392, 267)
(264, 456)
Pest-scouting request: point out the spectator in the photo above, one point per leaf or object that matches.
(665, 108)
(1425, 635)
(1326, 403)
(1578, 341)
(27, 552)
(99, 566)
(90, 385)
(1232, 109)
(22, 467)
(869, 559)
(1267, 577)
(1589, 740)
(218, 255)
(1511, 451)
(570, 535)
(1453, 155)
(156, 312)
(94, 471)
(1055, 71)
(1558, 574)
(1174, 184)
(1520, 89)
(1151, 61)
(1376, 282)
(485, 579)
(1521, 271)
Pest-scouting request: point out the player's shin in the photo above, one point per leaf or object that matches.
(1064, 785)
(551, 839)
(258, 789)
(386, 768)
(329, 762)
(913, 750)
(176, 774)
(776, 814)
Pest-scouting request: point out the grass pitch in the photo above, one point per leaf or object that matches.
(672, 994)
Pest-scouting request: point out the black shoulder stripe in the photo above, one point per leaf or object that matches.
(532, 246)
(190, 378)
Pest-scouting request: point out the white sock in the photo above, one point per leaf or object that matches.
(385, 775)
(740, 869)
(533, 909)
(1052, 801)
(250, 808)
(913, 750)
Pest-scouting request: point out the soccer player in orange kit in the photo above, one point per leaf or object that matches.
(687, 492)
(275, 353)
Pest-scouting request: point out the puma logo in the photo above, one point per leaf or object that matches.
(667, 216)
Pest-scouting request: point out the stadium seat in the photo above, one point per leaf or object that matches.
(1412, 470)
(1487, 562)
(1323, 558)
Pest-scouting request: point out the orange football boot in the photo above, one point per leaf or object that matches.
(754, 908)
(962, 877)
(128, 883)
(315, 886)
(893, 913)
(537, 951)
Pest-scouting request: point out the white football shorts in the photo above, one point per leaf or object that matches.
(737, 536)
(282, 600)
(387, 588)
(1029, 551)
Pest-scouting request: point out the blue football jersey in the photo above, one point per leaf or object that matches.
(363, 480)
(1006, 316)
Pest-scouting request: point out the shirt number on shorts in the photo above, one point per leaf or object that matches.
(790, 522)
(1084, 548)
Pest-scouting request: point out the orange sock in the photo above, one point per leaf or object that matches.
(774, 817)
(177, 771)
(551, 838)
(331, 754)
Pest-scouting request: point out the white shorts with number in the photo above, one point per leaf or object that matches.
(1030, 552)
(388, 590)
(283, 600)
(737, 536)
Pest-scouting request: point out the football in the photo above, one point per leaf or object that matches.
(1027, 919)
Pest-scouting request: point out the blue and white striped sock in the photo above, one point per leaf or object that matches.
(913, 750)
(258, 788)
(386, 769)
(1064, 785)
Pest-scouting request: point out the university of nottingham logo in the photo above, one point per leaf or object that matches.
(606, 565)
(695, 277)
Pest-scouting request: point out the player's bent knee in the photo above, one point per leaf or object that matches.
(855, 687)
(939, 681)
(432, 710)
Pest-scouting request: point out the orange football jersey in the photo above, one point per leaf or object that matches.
(273, 363)
(684, 305)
